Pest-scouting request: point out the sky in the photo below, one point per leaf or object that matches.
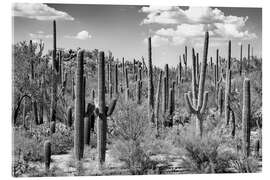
(124, 29)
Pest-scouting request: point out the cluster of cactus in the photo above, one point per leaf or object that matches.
(198, 106)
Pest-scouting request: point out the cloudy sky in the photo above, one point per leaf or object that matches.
(124, 29)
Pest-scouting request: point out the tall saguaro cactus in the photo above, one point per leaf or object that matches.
(54, 77)
(246, 118)
(166, 90)
(116, 79)
(248, 60)
(199, 108)
(102, 119)
(241, 60)
(79, 111)
(228, 86)
(157, 101)
(150, 84)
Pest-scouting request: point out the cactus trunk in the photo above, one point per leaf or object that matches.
(246, 113)
(102, 119)
(150, 84)
(79, 109)
(228, 86)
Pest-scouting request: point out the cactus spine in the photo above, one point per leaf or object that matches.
(47, 154)
(200, 107)
(228, 86)
(150, 84)
(102, 120)
(79, 108)
(246, 118)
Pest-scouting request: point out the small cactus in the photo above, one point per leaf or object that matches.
(47, 154)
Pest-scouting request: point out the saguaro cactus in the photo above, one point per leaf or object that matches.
(139, 92)
(150, 84)
(69, 116)
(164, 95)
(31, 56)
(220, 100)
(79, 111)
(35, 112)
(102, 120)
(185, 60)
(47, 154)
(166, 69)
(116, 79)
(199, 108)
(87, 130)
(241, 60)
(246, 118)
(228, 86)
(158, 93)
(248, 60)
(102, 111)
(180, 71)
(127, 84)
(54, 77)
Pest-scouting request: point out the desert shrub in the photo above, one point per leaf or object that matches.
(130, 130)
(29, 144)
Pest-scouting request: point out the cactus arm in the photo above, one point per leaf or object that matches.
(194, 75)
(111, 107)
(205, 100)
(188, 102)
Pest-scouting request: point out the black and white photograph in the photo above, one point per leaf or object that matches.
(117, 89)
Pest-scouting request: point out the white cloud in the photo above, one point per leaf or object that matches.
(40, 35)
(158, 41)
(83, 35)
(194, 21)
(39, 11)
